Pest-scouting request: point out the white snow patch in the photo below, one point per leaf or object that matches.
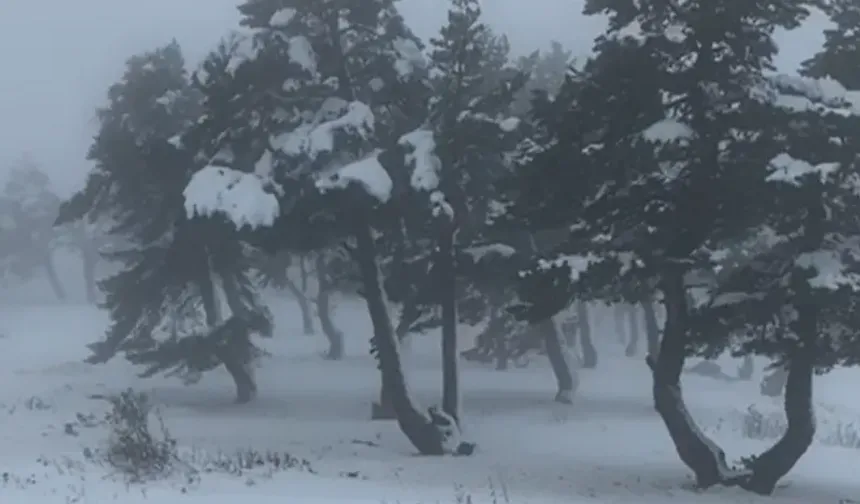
(409, 57)
(239, 196)
(367, 172)
(282, 17)
(831, 270)
(790, 170)
(479, 252)
(301, 52)
(317, 137)
(668, 131)
(425, 163)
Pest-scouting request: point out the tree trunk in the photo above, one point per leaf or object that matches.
(696, 450)
(772, 465)
(423, 433)
(53, 278)
(652, 328)
(774, 383)
(235, 356)
(620, 324)
(334, 335)
(304, 277)
(448, 305)
(566, 378)
(589, 353)
(304, 306)
(89, 258)
(384, 409)
(633, 343)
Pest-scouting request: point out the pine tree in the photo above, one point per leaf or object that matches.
(673, 154)
(29, 205)
(354, 86)
(183, 301)
(841, 46)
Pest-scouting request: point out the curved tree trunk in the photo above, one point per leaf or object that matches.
(696, 450)
(635, 334)
(564, 375)
(334, 335)
(652, 328)
(772, 465)
(589, 353)
(421, 431)
(384, 409)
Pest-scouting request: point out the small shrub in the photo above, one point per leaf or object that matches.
(133, 449)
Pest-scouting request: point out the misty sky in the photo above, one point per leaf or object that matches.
(60, 56)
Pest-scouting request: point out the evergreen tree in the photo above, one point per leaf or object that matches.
(28, 206)
(673, 139)
(184, 301)
(354, 88)
(838, 59)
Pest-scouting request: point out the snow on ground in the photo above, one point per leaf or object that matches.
(609, 447)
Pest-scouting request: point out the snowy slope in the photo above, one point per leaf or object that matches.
(610, 447)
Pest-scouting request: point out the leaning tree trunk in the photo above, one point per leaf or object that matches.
(589, 353)
(771, 466)
(652, 328)
(423, 434)
(236, 354)
(324, 292)
(53, 278)
(304, 276)
(448, 306)
(384, 408)
(564, 374)
(635, 334)
(696, 450)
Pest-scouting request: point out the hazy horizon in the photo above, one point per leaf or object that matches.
(61, 60)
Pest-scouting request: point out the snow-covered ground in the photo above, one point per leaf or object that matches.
(610, 447)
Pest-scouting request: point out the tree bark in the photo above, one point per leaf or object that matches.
(566, 378)
(772, 465)
(652, 328)
(423, 434)
(448, 304)
(633, 343)
(589, 353)
(334, 335)
(696, 450)
(53, 278)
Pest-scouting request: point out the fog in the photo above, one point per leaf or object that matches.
(60, 57)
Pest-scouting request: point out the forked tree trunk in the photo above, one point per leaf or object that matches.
(565, 376)
(53, 278)
(652, 328)
(589, 353)
(334, 335)
(696, 450)
(635, 334)
(423, 434)
(448, 305)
